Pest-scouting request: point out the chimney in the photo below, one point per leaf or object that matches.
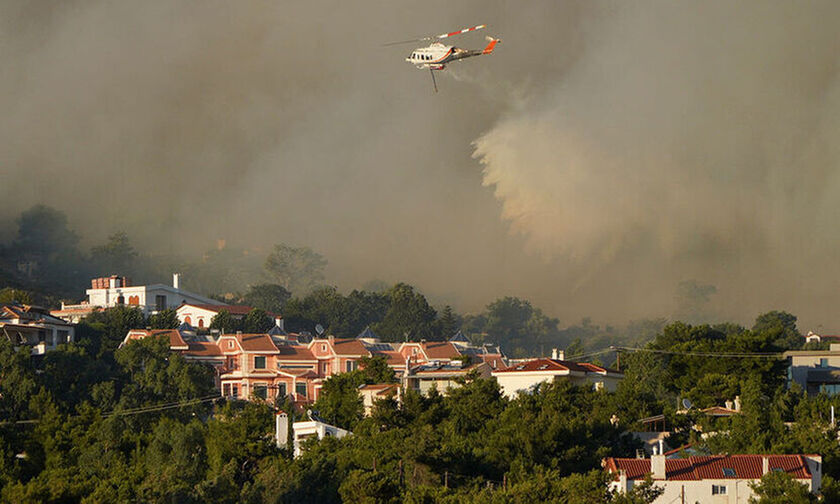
(657, 463)
(737, 403)
(728, 405)
(281, 429)
(765, 465)
(561, 355)
(176, 280)
(112, 283)
(554, 353)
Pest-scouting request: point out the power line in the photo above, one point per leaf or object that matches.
(758, 355)
(138, 411)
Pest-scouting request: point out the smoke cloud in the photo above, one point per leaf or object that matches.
(604, 153)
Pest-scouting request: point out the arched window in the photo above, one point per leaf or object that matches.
(201, 322)
(187, 320)
(120, 299)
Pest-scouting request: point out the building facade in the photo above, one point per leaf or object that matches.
(34, 327)
(526, 376)
(713, 479)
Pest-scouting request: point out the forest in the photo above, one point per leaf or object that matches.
(92, 423)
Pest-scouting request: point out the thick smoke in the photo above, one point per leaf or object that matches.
(689, 140)
(628, 147)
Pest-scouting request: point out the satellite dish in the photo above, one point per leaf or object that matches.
(686, 404)
(319, 329)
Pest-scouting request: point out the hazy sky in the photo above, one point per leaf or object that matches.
(604, 153)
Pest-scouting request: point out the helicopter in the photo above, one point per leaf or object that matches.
(437, 55)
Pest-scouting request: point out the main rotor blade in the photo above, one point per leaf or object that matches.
(459, 32)
(408, 41)
(443, 36)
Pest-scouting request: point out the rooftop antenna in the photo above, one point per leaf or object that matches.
(319, 329)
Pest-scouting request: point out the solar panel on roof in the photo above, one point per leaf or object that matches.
(729, 472)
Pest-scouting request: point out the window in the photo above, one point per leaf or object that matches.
(259, 362)
(718, 489)
(729, 472)
(120, 299)
(234, 389)
(823, 362)
(160, 302)
(599, 385)
(201, 323)
(261, 391)
(830, 388)
(230, 343)
(63, 336)
(300, 389)
(323, 348)
(351, 366)
(188, 320)
(281, 390)
(226, 390)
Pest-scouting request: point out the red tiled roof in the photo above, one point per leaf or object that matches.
(393, 357)
(232, 309)
(711, 467)
(176, 342)
(543, 365)
(257, 343)
(440, 350)
(295, 352)
(203, 349)
(720, 411)
(349, 346)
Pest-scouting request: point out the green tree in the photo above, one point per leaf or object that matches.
(518, 326)
(10, 295)
(257, 321)
(115, 256)
(268, 297)
(164, 319)
(297, 269)
(43, 232)
(448, 323)
(339, 402)
(408, 314)
(225, 322)
(780, 328)
(108, 328)
(778, 487)
(369, 487)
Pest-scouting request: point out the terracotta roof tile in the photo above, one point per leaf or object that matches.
(711, 467)
(257, 343)
(203, 349)
(349, 346)
(440, 350)
(393, 357)
(295, 352)
(176, 342)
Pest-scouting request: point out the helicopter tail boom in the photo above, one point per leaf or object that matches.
(490, 46)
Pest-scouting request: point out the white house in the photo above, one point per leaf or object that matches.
(200, 315)
(714, 479)
(525, 376)
(815, 370)
(301, 431)
(33, 326)
(107, 292)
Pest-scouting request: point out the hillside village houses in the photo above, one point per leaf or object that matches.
(271, 366)
(816, 370)
(34, 327)
(711, 478)
(526, 376)
(107, 292)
